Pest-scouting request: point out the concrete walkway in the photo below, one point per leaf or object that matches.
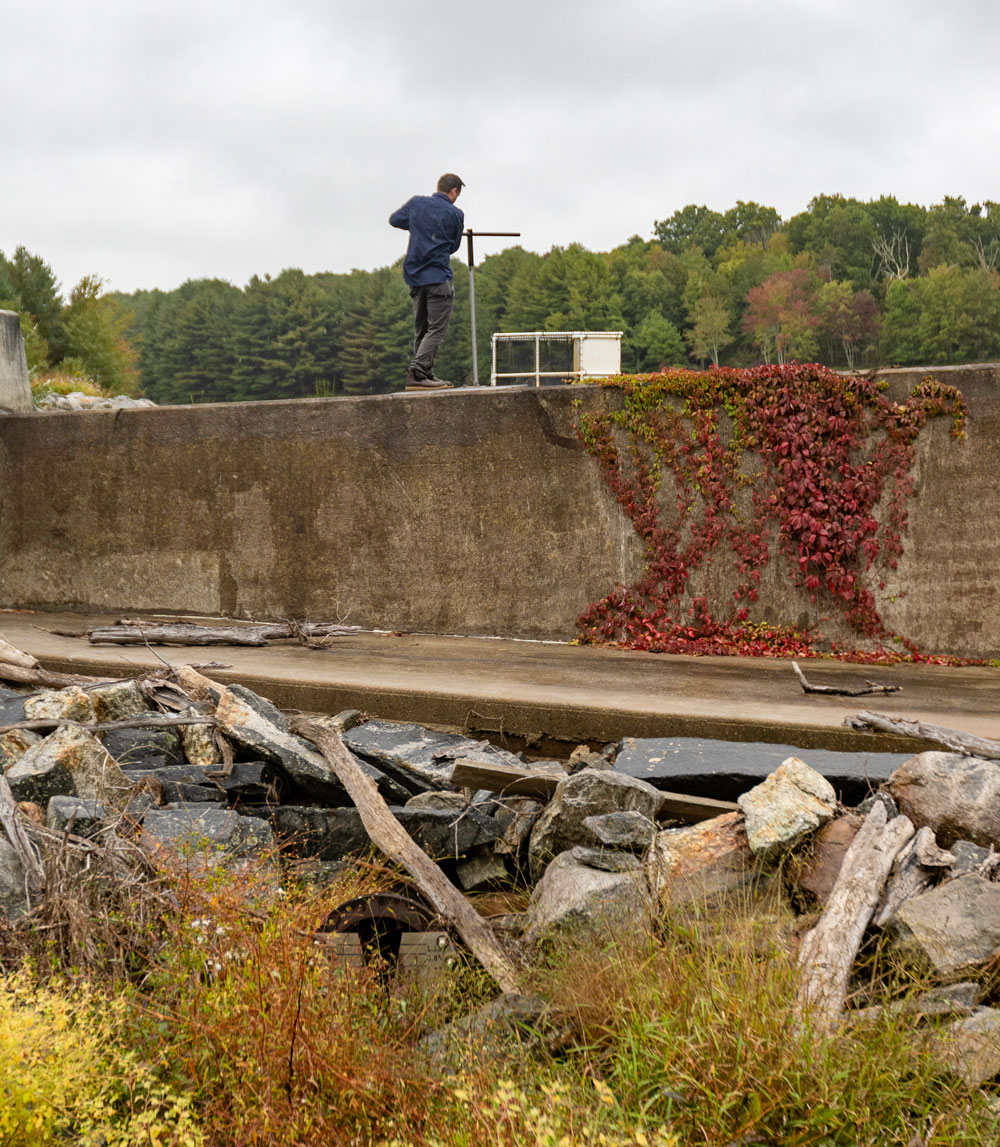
(542, 692)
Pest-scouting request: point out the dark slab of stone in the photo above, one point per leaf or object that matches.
(182, 826)
(135, 746)
(11, 706)
(417, 757)
(333, 833)
(260, 705)
(725, 770)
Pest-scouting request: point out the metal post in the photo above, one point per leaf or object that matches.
(472, 310)
(472, 291)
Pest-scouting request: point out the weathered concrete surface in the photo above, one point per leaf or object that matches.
(470, 511)
(518, 690)
(463, 512)
(15, 388)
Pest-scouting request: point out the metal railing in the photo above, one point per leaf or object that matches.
(582, 368)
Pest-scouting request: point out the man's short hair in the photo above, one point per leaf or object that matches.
(449, 182)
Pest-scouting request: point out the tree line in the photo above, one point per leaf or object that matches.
(847, 283)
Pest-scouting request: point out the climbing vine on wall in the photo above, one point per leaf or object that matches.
(791, 462)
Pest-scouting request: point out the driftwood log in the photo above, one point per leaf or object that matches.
(828, 951)
(843, 690)
(23, 669)
(912, 872)
(389, 837)
(142, 633)
(951, 738)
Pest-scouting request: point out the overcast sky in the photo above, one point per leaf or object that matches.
(150, 142)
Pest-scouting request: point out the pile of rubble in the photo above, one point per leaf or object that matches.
(183, 762)
(78, 400)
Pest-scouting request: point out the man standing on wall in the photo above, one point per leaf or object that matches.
(435, 225)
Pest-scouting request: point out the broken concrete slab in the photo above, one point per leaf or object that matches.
(575, 897)
(955, 795)
(69, 762)
(417, 757)
(725, 769)
(577, 797)
(786, 807)
(246, 718)
(704, 862)
(332, 833)
(952, 929)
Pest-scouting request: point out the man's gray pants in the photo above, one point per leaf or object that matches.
(432, 306)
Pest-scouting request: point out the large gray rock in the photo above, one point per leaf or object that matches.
(118, 701)
(69, 762)
(134, 746)
(574, 897)
(631, 831)
(585, 794)
(333, 833)
(417, 757)
(14, 744)
(724, 769)
(76, 815)
(971, 1046)
(71, 704)
(703, 862)
(957, 796)
(951, 929)
(13, 901)
(192, 828)
(790, 804)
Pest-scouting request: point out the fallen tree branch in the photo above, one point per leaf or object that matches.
(951, 738)
(389, 837)
(912, 872)
(843, 690)
(828, 951)
(11, 655)
(49, 680)
(139, 633)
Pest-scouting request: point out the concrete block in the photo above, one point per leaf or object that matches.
(15, 388)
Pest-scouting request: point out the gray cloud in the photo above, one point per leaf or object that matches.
(158, 142)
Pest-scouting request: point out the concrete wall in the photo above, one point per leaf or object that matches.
(466, 512)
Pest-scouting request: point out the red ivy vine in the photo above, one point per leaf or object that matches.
(792, 457)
